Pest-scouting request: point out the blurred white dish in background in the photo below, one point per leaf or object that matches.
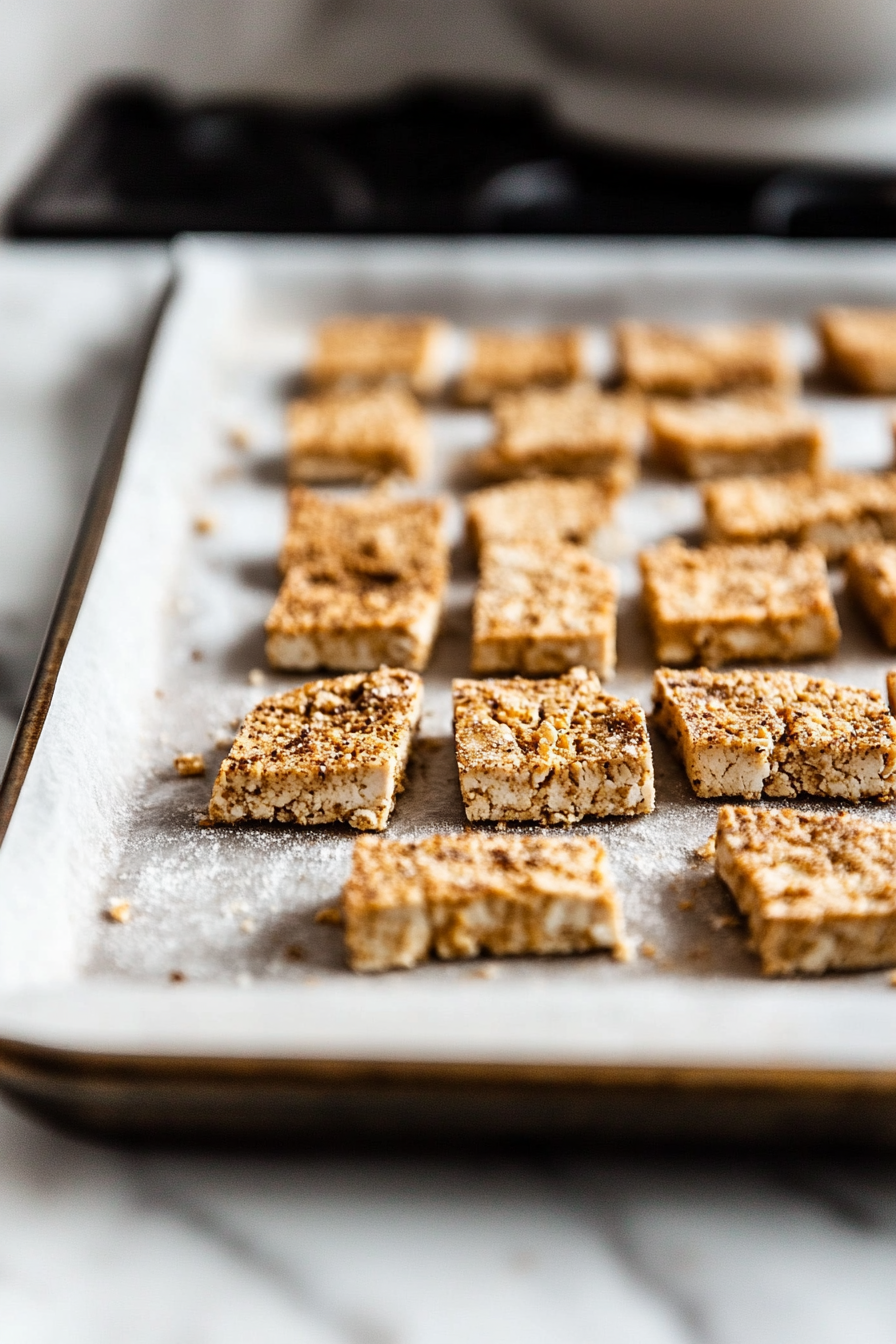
(769, 80)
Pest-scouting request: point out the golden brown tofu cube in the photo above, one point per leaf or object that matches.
(364, 350)
(859, 346)
(819, 891)
(354, 435)
(735, 436)
(503, 361)
(675, 362)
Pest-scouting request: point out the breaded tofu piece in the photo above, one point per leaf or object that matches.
(352, 435)
(364, 583)
(819, 891)
(859, 346)
(460, 895)
(550, 751)
(571, 431)
(365, 350)
(672, 361)
(735, 436)
(723, 604)
(329, 751)
(503, 361)
(547, 507)
(543, 606)
(833, 510)
(871, 578)
(748, 733)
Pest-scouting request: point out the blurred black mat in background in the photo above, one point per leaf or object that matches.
(135, 163)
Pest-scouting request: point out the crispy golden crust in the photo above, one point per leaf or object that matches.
(329, 751)
(502, 361)
(544, 506)
(460, 895)
(373, 349)
(833, 510)
(746, 733)
(352, 435)
(860, 346)
(675, 362)
(724, 604)
(552, 751)
(818, 891)
(734, 436)
(871, 578)
(570, 431)
(543, 606)
(364, 582)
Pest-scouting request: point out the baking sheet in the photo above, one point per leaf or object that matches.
(222, 952)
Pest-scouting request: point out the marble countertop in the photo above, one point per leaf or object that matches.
(102, 1245)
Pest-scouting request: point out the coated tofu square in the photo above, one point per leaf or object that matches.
(748, 733)
(503, 361)
(818, 891)
(552, 751)
(571, 431)
(353, 435)
(547, 507)
(329, 751)
(834, 510)
(676, 362)
(859, 346)
(364, 583)
(723, 604)
(871, 578)
(735, 436)
(363, 350)
(543, 606)
(461, 895)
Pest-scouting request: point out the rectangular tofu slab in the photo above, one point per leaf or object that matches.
(871, 578)
(460, 895)
(543, 606)
(364, 584)
(354, 435)
(735, 436)
(550, 751)
(703, 361)
(746, 734)
(859, 347)
(833, 510)
(365, 350)
(819, 891)
(724, 604)
(329, 751)
(545, 506)
(502, 361)
(571, 431)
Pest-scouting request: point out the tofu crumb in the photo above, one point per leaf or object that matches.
(707, 852)
(238, 437)
(748, 733)
(176, 977)
(818, 890)
(458, 896)
(551, 751)
(329, 914)
(648, 950)
(190, 763)
(119, 913)
(256, 677)
(723, 604)
(688, 904)
(204, 524)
